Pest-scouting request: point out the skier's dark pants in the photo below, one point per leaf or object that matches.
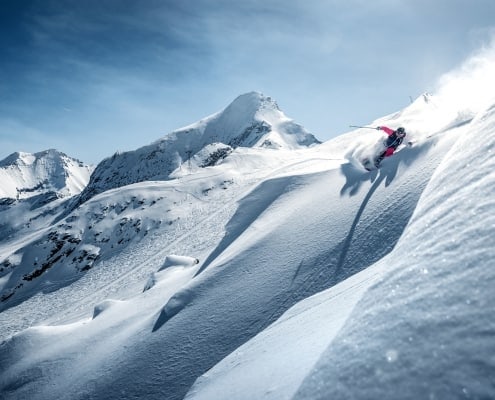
(386, 153)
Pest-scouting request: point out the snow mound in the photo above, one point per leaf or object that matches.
(103, 306)
(173, 265)
(178, 261)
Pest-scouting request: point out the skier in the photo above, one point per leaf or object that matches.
(393, 141)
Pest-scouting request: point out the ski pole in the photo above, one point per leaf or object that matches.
(367, 127)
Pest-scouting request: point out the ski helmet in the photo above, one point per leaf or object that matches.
(401, 132)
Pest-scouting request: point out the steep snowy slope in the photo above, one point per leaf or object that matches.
(310, 223)
(418, 324)
(433, 311)
(24, 175)
(252, 120)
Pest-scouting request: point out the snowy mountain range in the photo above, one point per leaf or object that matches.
(239, 258)
(91, 230)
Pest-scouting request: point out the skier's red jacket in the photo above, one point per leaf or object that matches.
(389, 150)
(387, 130)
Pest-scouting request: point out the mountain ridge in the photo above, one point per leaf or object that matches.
(251, 120)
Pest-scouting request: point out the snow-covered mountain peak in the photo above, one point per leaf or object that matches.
(17, 158)
(22, 158)
(252, 105)
(25, 175)
(255, 120)
(251, 120)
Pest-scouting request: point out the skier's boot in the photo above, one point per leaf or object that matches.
(378, 160)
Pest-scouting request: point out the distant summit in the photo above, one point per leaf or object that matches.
(24, 175)
(251, 120)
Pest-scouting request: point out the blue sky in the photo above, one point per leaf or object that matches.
(97, 76)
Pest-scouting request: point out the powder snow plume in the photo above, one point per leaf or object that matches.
(471, 86)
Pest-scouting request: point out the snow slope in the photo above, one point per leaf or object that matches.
(316, 279)
(419, 323)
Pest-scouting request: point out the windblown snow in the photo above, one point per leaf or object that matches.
(238, 258)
